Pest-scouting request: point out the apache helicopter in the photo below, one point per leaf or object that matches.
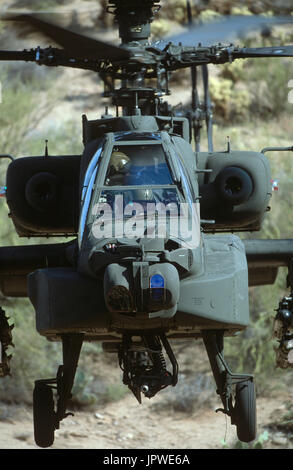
(127, 279)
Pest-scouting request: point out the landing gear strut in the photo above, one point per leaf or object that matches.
(243, 411)
(46, 419)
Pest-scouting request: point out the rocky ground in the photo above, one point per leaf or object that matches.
(128, 425)
(183, 417)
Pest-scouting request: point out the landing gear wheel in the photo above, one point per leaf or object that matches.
(245, 411)
(44, 415)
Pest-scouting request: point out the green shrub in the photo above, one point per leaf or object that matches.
(32, 358)
(229, 101)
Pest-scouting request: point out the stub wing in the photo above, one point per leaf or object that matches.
(264, 257)
(16, 262)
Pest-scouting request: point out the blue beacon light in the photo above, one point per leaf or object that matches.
(157, 282)
(157, 288)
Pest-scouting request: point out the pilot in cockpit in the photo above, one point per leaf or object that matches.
(118, 169)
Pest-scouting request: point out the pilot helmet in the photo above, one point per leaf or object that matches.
(119, 163)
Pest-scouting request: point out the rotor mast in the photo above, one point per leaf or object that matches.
(134, 18)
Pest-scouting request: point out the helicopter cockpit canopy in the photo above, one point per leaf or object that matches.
(138, 165)
(132, 174)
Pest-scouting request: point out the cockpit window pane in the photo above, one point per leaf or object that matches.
(86, 204)
(142, 196)
(138, 165)
(123, 136)
(92, 166)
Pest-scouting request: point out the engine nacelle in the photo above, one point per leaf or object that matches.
(43, 195)
(235, 193)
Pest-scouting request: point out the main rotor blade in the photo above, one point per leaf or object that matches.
(18, 55)
(227, 29)
(246, 52)
(78, 45)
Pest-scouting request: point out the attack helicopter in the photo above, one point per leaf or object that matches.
(153, 256)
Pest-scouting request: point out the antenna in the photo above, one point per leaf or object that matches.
(228, 144)
(46, 148)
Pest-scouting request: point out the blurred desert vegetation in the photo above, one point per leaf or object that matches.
(250, 106)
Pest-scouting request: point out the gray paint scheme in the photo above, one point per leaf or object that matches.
(213, 278)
